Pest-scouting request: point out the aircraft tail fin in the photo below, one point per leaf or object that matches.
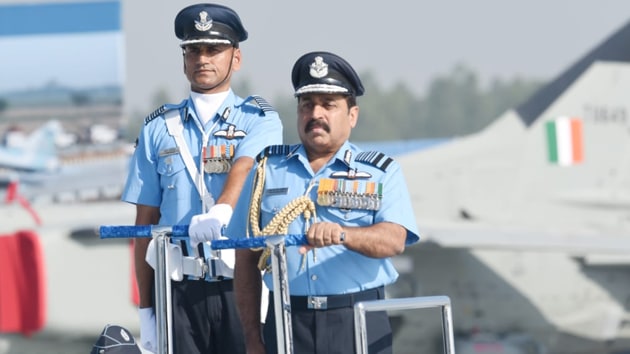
(612, 49)
(558, 162)
(42, 140)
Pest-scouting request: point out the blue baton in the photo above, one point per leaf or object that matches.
(181, 232)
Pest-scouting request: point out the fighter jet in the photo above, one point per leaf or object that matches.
(526, 224)
(45, 170)
(33, 153)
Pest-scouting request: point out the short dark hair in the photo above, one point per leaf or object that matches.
(351, 100)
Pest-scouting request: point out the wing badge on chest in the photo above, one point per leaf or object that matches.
(230, 133)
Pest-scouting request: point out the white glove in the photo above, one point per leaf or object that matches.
(207, 227)
(148, 334)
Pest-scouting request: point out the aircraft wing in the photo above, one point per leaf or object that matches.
(17, 160)
(578, 243)
(82, 180)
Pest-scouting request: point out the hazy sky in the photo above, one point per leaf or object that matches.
(75, 60)
(408, 41)
(71, 44)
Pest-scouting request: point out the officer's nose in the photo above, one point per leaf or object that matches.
(318, 111)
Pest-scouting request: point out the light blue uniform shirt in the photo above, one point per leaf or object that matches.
(158, 176)
(336, 270)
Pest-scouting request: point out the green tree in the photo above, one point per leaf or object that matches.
(4, 104)
(286, 108)
(242, 87)
(160, 97)
(385, 115)
(455, 104)
(80, 99)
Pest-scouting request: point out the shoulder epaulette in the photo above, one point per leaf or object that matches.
(374, 158)
(163, 109)
(272, 150)
(260, 103)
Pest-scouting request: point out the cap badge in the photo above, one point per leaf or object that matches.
(124, 335)
(203, 24)
(319, 69)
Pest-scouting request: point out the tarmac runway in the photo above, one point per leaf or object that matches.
(17, 344)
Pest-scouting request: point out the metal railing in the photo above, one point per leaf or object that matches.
(361, 308)
(282, 303)
(163, 312)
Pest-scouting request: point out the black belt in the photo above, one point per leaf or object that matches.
(218, 279)
(329, 302)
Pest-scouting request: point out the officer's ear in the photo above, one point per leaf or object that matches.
(353, 114)
(236, 59)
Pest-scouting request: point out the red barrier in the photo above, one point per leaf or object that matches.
(135, 294)
(22, 283)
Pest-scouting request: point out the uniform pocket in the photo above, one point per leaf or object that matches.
(170, 165)
(173, 178)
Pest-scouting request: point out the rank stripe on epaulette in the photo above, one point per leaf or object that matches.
(163, 109)
(263, 104)
(375, 158)
(274, 150)
(158, 112)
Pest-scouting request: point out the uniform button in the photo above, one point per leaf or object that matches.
(313, 277)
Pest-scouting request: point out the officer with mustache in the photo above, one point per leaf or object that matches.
(352, 205)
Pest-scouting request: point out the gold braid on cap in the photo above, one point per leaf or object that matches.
(279, 224)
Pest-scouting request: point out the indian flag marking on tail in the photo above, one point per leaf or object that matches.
(564, 141)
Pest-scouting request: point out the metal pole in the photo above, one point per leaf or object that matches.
(163, 313)
(360, 324)
(447, 328)
(281, 294)
(360, 329)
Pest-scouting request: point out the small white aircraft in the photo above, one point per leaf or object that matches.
(36, 152)
(45, 168)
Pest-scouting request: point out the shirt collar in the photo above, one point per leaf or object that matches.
(224, 109)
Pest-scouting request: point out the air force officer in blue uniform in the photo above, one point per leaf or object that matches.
(352, 205)
(190, 163)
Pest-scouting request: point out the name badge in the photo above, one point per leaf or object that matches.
(167, 152)
(277, 191)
